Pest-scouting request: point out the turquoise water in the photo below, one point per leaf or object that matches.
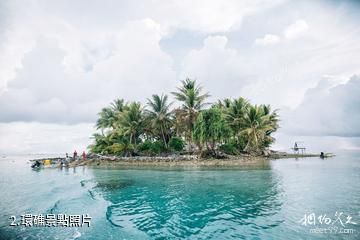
(265, 202)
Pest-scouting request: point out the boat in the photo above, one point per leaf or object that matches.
(326, 155)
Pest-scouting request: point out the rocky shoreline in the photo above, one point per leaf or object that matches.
(189, 160)
(184, 160)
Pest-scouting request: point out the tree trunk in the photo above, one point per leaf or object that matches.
(190, 129)
(163, 135)
(247, 145)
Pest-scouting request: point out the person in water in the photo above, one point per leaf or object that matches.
(322, 155)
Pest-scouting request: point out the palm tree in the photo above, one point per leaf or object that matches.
(223, 104)
(273, 119)
(106, 119)
(193, 100)
(118, 105)
(101, 142)
(109, 116)
(256, 125)
(132, 122)
(159, 115)
(234, 115)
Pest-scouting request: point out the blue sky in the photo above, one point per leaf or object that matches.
(62, 61)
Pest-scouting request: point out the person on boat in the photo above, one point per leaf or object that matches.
(84, 155)
(75, 155)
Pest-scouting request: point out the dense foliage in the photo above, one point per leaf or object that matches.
(229, 126)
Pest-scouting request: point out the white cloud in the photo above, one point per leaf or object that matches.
(61, 66)
(291, 32)
(85, 36)
(32, 137)
(316, 144)
(327, 110)
(219, 68)
(285, 71)
(268, 39)
(296, 29)
(51, 88)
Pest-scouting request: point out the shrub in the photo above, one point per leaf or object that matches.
(240, 142)
(176, 144)
(229, 148)
(144, 146)
(122, 148)
(157, 147)
(151, 148)
(117, 148)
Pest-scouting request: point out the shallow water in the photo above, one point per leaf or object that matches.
(265, 202)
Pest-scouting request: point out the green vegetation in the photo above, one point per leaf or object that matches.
(229, 126)
(210, 129)
(176, 144)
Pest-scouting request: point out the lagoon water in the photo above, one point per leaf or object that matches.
(265, 202)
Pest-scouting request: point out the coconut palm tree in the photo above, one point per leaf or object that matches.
(273, 118)
(118, 105)
(223, 104)
(234, 115)
(109, 116)
(106, 119)
(160, 116)
(101, 142)
(193, 100)
(132, 122)
(256, 125)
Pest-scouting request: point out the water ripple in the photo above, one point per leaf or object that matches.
(177, 209)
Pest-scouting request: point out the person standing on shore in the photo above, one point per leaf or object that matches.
(75, 155)
(65, 162)
(84, 155)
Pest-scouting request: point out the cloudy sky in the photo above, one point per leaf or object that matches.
(62, 61)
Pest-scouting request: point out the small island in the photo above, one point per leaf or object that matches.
(188, 132)
(226, 127)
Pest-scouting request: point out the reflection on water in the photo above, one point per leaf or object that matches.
(263, 202)
(199, 203)
(113, 185)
